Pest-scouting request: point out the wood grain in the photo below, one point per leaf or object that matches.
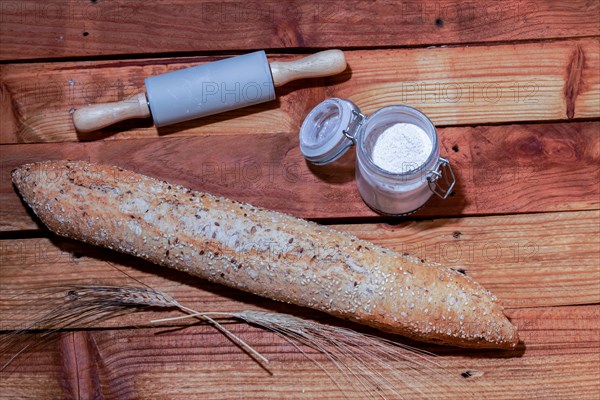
(50, 29)
(529, 260)
(559, 360)
(532, 260)
(499, 170)
(452, 85)
(524, 220)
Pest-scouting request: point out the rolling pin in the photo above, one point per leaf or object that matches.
(208, 89)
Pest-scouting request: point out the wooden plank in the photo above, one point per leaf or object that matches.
(456, 85)
(499, 169)
(49, 29)
(530, 260)
(526, 260)
(559, 360)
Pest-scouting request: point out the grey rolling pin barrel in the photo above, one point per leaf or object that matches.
(208, 89)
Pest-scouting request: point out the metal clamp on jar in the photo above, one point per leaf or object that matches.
(395, 183)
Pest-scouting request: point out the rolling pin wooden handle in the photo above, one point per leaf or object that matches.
(98, 116)
(324, 63)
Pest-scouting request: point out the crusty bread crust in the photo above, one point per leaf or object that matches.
(264, 252)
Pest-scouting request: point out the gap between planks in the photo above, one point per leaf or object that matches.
(279, 51)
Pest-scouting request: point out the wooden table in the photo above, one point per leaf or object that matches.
(513, 86)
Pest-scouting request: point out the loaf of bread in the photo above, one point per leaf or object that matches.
(264, 252)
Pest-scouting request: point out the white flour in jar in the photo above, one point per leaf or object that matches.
(401, 148)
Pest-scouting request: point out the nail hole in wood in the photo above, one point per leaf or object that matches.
(472, 373)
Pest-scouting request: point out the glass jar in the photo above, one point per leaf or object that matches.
(335, 125)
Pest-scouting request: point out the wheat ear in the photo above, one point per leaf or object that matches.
(371, 365)
(88, 305)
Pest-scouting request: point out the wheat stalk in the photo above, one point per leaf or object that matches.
(86, 305)
(371, 365)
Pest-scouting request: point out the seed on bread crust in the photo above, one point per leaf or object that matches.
(264, 252)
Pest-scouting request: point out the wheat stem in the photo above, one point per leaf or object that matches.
(205, 315)
(373, 366)
(195, 314)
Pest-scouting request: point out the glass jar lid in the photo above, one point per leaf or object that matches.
(329, 130)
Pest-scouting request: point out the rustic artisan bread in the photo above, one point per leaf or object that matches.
(263, 252)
